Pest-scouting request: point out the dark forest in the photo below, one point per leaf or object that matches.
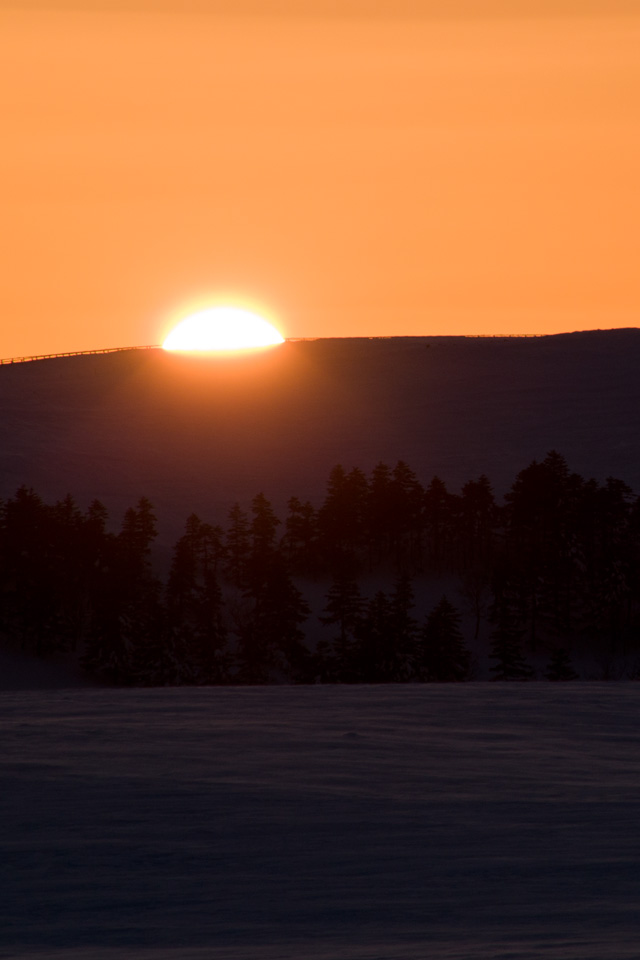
(549, 575)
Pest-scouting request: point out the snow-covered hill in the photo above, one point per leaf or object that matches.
(200, 433)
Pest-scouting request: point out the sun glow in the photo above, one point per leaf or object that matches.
(222, 328)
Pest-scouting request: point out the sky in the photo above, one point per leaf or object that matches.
(348, 168)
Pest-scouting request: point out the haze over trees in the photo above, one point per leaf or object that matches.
(550, 575)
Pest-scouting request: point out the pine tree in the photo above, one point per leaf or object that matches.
(379, 514)
(408, 522)
(613, 574)
(342, 518)
(237, 546)
(478, 516)
(543, 513)
(300, 538)
(70, 568)
(559, 667)
(343, 609)
(402, 630)
(441, 654)
(270, 640)
(439, 521)
(372, 648)
(262, 543)
(195, 607)
(28, 594)
(506, 645)
(127, 643)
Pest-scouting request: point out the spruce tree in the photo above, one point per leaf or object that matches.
(439, 508)
(506, 645)
(342, 518)
(208, 642)
(343, 609)
(408, 520)
(195, 607)
(559, 667)
(478, 517)
(237, 546)
(402, 630)
(28, 593)
(300, 538)
(379, 514)
(373, 652)
(126, 644)
(543, 511)
(441, 654)
(262, 543)
(270, 641)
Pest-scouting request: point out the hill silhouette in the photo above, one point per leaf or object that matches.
(198, 433)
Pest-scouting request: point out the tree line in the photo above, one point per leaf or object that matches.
(553, 571)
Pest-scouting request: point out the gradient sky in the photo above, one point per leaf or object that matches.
(354, 168)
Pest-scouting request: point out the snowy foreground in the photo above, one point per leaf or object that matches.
(472, 821)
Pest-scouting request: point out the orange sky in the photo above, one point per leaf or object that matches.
(453, 167)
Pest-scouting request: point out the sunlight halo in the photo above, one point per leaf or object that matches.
(222, 328)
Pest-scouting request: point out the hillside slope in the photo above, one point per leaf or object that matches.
(198, 433)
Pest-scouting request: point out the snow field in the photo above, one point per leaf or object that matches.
(476, 821)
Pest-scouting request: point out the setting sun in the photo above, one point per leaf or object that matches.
(222, 328)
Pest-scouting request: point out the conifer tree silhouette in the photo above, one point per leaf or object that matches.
(402, 630)
(126, 644)
(611, 578)
(478, 514)
(506, 645)
(379, 515)
(343, 609)
(441, 654)
(373, 653)
(237, 546)
(543, 506)
(299, 542)
(559, 668)
(197, 633)
(263, 546)
(439, 522)
(28, 594)
(270, 639)
(562, 556)
(408, 522)
(342, 517)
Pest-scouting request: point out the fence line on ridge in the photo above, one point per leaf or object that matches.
(77, 353)
(158, 346)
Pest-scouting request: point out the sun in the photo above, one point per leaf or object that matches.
(222, 328)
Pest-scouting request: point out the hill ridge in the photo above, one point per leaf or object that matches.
(198, 433)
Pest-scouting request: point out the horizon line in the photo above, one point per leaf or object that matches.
(28, 358)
